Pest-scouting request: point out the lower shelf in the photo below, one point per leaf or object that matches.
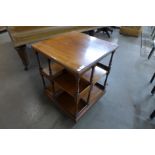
(49, 90)
(67, 104)
(95, 94)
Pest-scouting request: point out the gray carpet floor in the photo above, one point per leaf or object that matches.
(127, 103)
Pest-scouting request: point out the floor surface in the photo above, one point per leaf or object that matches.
(126, 104)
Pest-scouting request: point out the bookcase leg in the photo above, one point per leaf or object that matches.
(152, 115)
(110, 63)
(153, 31)
(153, 90)
(40, 68)
(152, 78)
(91, 83)
(77, 95)
(50, 72)
(151, 52)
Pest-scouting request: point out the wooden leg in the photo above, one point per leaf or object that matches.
(153, 31)
(152, 78)
(153, 90)
(77, 95)
(151, 52)
(23, 55)
(91, 84)
(152, 115)
(110, 63)
(50, 73)
(40, 69)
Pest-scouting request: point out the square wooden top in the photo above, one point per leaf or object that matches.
(75, 51)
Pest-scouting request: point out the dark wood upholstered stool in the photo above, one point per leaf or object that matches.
(106, 30)
(103, 29)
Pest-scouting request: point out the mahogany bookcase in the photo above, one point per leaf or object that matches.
(73, 70)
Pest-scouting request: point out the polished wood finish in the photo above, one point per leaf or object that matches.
(74, 71)
(23, 35)
(74, 52)
(68, 104)
(49, 90)
(67, 82)
(56, 70)
(98, 74)
(95, 94)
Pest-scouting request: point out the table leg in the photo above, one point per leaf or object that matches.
(40, 68)
(91, 83)
(152, 115)
(151, 52)
(50, 73)
(152, 78)
(77, 95)
(110, 63)
(153, 90)
(23, 55)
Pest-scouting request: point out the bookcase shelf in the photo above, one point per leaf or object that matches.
(49, 90)
(67, 82)
(68, 105)
(98, 74)
(56, 70)
(96, 93)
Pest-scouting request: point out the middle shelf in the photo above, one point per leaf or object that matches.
(68, 82)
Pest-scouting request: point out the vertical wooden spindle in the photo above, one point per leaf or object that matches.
(77, 94)
(51, 75)
(91, 84)
(110, 63)
(40, 68)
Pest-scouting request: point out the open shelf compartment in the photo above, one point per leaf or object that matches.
(67, 82)
(56, 70)
(98, 74)
(95, 94)
(67, 103)
(49, 90)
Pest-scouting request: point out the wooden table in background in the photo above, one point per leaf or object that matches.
(24, 35)
(73, 70)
